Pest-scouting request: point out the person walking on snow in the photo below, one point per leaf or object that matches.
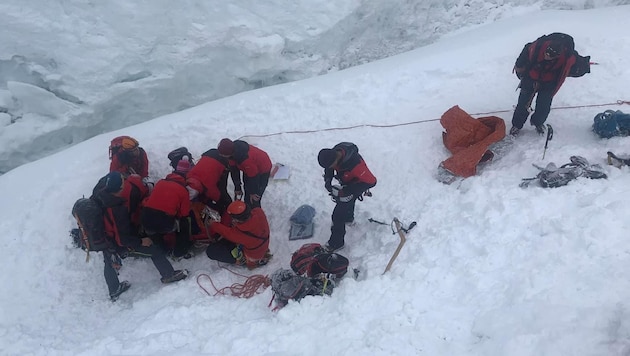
(255, 165)
(542, 67)
(344, 163)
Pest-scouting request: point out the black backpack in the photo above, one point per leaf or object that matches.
(178, 154)
(91, 234)
(312, 259)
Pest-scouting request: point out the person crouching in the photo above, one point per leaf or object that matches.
(167, 210)
(246, 242)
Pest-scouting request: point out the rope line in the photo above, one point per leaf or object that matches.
(342, 128)
(253, 285)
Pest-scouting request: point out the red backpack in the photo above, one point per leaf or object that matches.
(312, 259)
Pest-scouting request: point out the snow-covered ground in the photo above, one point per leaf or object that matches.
(491, 268)
(70, 70)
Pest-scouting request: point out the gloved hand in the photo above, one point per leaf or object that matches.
(339, 196)
(192, 193)
(328, 186)
(148, 182)
(520, 72)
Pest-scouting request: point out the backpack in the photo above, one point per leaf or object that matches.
(91, 235)
(302, 226)
(312, 259)
(177, 154)
(286, 286)
(611, 123)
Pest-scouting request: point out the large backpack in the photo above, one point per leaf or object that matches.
(312, 259)
(178, 154)
(611, 123)
(89, 215)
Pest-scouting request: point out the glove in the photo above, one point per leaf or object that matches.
(328, 186)
(211, 214)
(192, 193)
(148, 182)
(339, 196)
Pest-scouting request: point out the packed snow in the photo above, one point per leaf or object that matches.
(490, 269)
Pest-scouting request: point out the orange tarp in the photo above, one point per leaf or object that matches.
(468, 139)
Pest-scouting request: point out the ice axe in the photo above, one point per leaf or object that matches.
(549, 137)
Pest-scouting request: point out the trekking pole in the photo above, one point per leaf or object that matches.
(400, 245)
(549, 137)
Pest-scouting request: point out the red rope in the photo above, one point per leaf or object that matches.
(618, 102)
(248, 289)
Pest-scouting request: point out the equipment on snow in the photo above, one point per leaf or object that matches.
(549, 137)
(553, 177)
(302, 226)
(403, 239)
(469, 140)
(611, 123)
(89, 216)
(286, 286)
(279, 171)
(617, 161)
(312, 260)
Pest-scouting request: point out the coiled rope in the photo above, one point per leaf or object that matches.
(253, 285)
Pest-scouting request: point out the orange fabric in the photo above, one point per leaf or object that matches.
(468, 139)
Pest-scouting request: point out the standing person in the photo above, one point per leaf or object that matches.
(127, 157)
(255, 165)
(118, 228)
(344, 163)
(207, 180)
(167, 209)
(246, 242)
(542, 67)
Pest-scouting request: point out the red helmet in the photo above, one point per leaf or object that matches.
(239, 210)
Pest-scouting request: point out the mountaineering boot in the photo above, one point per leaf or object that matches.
(122, 288)
(177, 276)
(514, 131)
(540, 129)
(331, 248)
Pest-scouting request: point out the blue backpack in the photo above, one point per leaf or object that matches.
(611, 123)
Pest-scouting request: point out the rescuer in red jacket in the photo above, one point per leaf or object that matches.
(255, 165)
(167, 210)
(246, 242)
(344, 163)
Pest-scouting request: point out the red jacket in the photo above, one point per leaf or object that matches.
(531, 61)
(250, 160)
(253, 234)
(134, 192)
(209, 175)
(351, 171)
(124, 163)
(170, 196)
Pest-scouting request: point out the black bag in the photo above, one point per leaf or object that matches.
(91, 235)
(286, 286)
(178, 154)
(312, 259)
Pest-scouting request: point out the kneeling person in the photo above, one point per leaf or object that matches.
(167, 210)
(246, 242)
